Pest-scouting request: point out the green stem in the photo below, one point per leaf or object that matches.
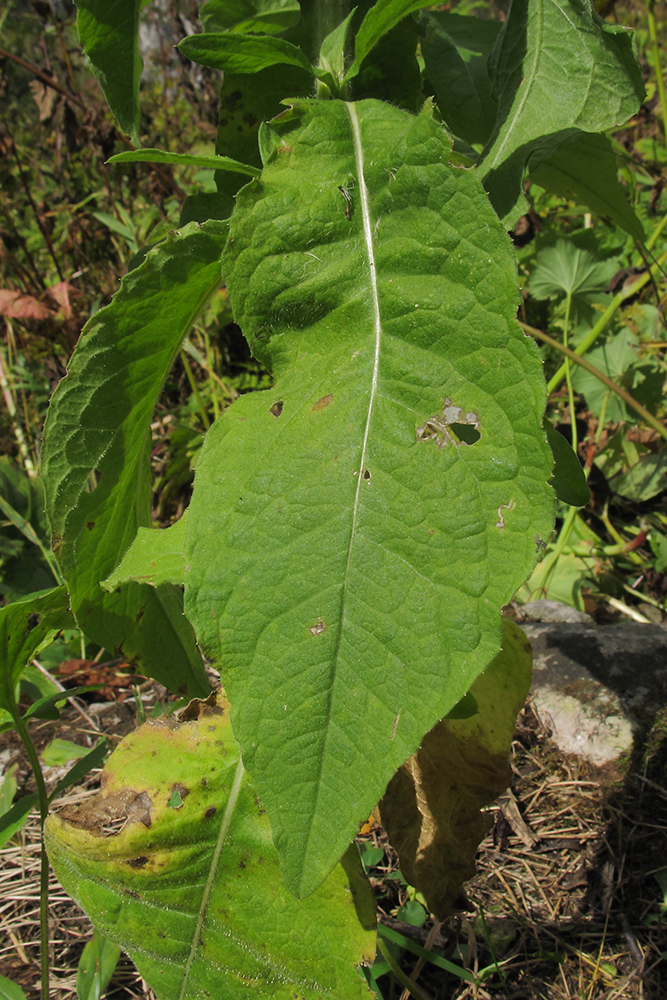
(568, 375)
(29, 746)
(542, 587)
(657, 69)
(195, 390)
(607, 317)
(404, 980)
(652, 421)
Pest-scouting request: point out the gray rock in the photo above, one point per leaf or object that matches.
(552, 611)
(593, 685)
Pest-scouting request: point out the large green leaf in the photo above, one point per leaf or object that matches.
(558, 69)
(456, 51)
(98, 426)
(109, 33)
(348, 561)
(173, 860)
(584, 169)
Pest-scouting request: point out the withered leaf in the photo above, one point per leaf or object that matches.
(432, 807)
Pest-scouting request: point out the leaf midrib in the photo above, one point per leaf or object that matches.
(529, 85)
(351, 109)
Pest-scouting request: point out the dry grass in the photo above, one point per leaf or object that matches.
(565, 904)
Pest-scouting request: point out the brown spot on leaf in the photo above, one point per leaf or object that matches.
(90, 525)
(322, 403)
(138, 862)
(210, 812)
(318, 628)
(276, 409)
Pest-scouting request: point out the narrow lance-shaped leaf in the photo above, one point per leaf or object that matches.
(380, 19)
(173, 860)
(242, 53)
(184, 159)
(354, 531)
(547, 48)
(109, 33)
(432, 807)
(98, 435)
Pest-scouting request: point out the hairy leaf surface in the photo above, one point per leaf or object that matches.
(346, 566)
(97, 435)
(558, 69)
(432, 807)
(173, 860)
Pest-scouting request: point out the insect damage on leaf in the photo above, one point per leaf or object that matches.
(454, 426)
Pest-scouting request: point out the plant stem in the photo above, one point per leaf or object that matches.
(29, 746)
(652, 421)
(657, 69)
(568, 376)
(403, 979)
(195, 389)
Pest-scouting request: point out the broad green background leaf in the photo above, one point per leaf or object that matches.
(270, 16)
(568, 479)
(644, 480)
(242, 53)
(456, 51)
(557, 69)
(26, 626)
(619, 359)
(155, 556)
(431, 809)
(109, 33)
(246, 100)
(96, 967)
(347, 568)
(59, 752)
(391, 72)
(98, 424)
(574, 267)
(190, 886)
(584, 169)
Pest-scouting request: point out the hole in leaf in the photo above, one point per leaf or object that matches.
(454, 426)
(367, 475)
(466, 433)
(318, 628)
(94, 480)
(276, 409)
